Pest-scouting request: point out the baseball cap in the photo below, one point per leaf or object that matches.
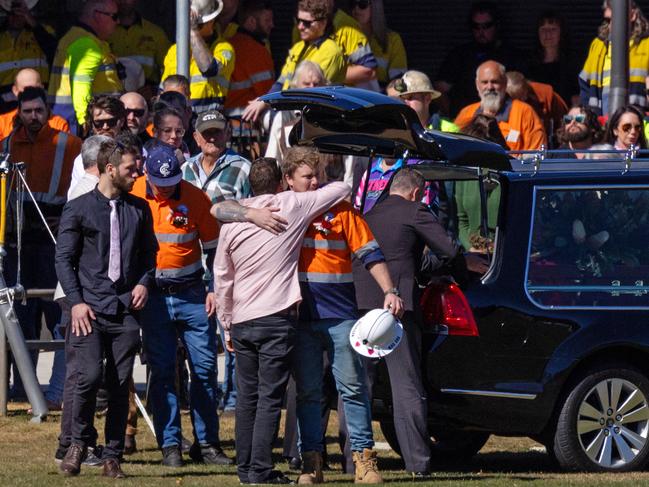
(162, 166)
(211, 119)
(415, 82)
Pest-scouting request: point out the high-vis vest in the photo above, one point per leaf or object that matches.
(520, 125)
(181, 225)
(48, 162)
(253, 73)
(206, 93)
(83, 67)
(392, 61)
(351, 40)
(23, 52)
(324, 52)
(145, 43)
(7, 123)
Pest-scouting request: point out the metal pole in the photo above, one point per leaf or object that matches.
(182, 37)
(21, 356)
(4, 369)
(619, 38)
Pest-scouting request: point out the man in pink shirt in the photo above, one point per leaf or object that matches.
(257, 292)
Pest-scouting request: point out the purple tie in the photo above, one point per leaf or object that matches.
(115, 254)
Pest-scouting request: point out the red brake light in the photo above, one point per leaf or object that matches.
(445, 304)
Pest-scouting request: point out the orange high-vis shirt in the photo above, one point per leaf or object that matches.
(520, 125)
(48, 161)
(181, 224)
(7, 123)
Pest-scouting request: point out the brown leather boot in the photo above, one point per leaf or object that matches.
(71, 463)
(113, 469)
(367, 471)
(130, 446)
(311, 468)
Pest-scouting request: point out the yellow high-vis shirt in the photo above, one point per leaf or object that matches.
(324, 52)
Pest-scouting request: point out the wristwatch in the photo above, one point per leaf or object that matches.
(392, 290)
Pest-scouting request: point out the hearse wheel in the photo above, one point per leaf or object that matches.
(604, 422)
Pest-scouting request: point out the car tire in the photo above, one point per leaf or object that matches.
(447, 446)
(604, 421)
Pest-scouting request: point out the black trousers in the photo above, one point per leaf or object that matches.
(263, 350)
(115, 339)
(409, 399)
(65, 437)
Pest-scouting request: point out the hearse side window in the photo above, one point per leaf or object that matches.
(589, 247)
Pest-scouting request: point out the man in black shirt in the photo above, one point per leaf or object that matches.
(105, 261)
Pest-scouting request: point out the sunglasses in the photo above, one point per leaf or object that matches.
(108, 122)
(361, 4)
(306, 23)
(114, 16)
(628, 126)
(577, 118)
(482, 25)
(170, 130)
(138, 112)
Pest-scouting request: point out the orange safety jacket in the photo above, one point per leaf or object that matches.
(181, 224)
(325, 265)
(520, 125)
(48, 162)
(7, 123)
(253, 73)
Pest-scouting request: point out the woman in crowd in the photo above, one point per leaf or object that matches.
(307, 75)
(552, 62)
(386, 44)
(625, 128)
(168, 128)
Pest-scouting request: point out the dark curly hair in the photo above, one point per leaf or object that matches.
(591, 121)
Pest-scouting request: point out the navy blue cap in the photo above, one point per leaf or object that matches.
(162, 166)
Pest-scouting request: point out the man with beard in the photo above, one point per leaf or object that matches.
(105, 261)
(579, 131)
(137, 115)
(105, 115)
(520, 125)
(48, 155)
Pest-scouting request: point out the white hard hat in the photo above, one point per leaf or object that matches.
(207, 9)
(6, 4)
(134, 74)
(376, 334)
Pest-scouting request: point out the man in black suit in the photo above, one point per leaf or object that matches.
(403, 227)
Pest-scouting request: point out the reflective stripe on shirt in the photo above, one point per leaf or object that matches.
(325, 277)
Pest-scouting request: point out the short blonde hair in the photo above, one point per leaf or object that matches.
(300, 156)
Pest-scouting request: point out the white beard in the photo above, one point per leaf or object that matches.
(491, 102)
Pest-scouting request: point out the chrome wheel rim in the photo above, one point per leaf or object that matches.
(613, 423)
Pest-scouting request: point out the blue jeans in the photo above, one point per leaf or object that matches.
(331, 335)
(229, 386)
(165, 318)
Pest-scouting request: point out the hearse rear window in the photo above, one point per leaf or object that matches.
(589, 248)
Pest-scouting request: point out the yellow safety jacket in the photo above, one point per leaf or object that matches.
(83, 67)
(595, 77)
(324, 52)
(392, 62)
(207, 93)
(22, 52)
(145, 43)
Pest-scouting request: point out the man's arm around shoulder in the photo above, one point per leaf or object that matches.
(315, 202)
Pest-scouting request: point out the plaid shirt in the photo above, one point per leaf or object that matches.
(228, 180)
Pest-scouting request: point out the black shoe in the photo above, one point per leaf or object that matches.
(275, 478)
(209, 455)
(59, 455)
(295, 463)
(172, 457)
(421, 476)
(93, 456)
(185, 445)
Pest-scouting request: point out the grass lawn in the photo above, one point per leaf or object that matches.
(27, 459)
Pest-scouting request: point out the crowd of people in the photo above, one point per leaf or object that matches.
(171, 212)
